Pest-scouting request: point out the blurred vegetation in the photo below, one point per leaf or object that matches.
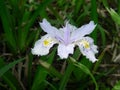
(20, 70)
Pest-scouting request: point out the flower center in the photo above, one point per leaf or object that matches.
(85, 43)
(46, 42)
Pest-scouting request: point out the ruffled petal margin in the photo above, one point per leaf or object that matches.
(64, 51)
(43, 45)
(90, 50)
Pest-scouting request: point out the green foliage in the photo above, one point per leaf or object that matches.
(117, 86)
(6, 21)
(7, 75)
(20, 70)
(114, 16)
(94, 17)
(7, 67)
(17, 23)
(84, 69)
(66, 76)
(41, 73)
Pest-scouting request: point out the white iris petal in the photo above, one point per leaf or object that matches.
(48, 28)
(88, 48)
(43, 45)
(64, 51)
(94, 48)
(90, 55)
(82, 31)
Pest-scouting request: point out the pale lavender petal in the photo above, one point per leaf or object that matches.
(94, 49)
(66, 34)
(72, 28)
(91, 42)
(90, 55)
(64, 51)
(88, 48)
(48, 28)
(82, 31)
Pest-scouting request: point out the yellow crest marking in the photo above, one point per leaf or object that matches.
(85, 43)
(47, 42)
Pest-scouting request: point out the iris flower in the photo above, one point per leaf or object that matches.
(67, 38)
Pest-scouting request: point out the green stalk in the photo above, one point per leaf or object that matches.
(6, 21)
(50, 68)
(94, 17)
(41, 7)
(94, 14)
(84, 69)
(119, 7)
(105, 3)
(66, 76)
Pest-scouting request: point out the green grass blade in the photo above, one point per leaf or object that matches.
(119, 7)
(39, 78)
(114, 15)
(117, 86)
(41, 73)
(41, 7)
(8, 77)
(105, 3)
(52, 87)
(6, 21)
(103, 36)
(66, 76)
(78, 6)
(50, 69)
(84, 69)
(29, 72)
(12, 86)
(79, 74)
(94, 17)
(99, 61)
(7, 67)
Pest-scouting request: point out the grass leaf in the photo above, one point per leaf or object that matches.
(6, 21)
(114, 15)
(7, 67)
(94, 17)
(66, 76)
(117, 86)
(41, 73)
(24, 35)
(8, 77)
(84, 69)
